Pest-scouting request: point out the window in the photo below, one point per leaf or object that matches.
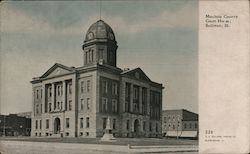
(88, 103)
(165, 119)
(104, 123)
(126, 106)
(185, 125)
(135, 93)
(70, 88)
(81, 123)
(87, 133)
(173, 126)
(81, 133)
(37, 109)
(88, 85)
(82, 86)
(40, 124)
(104, 104)
(50, 107)
(114, 105)
(127, 90)
(47, 123)
(156, 127)
(114, 88)
(87, 122)
(82, 104)
(70, 105)
(144, 126)
(190, 125)
(58, 90)
(105, 87)
(50, 93)
(114, 123)
(36, 124)
(195, 125)
(144, 94)
(150, 126)
(67, 122)
(127, 124)
(101, 53)
(37, 93)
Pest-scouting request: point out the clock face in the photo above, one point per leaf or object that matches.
(111, 36)
(90, 36)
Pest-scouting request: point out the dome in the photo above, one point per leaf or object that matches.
(100, 30)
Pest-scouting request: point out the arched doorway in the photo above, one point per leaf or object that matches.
(136, 127)
(57, 126)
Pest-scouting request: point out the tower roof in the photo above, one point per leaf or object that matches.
(99, 30)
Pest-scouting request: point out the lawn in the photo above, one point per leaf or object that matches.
(119, 141)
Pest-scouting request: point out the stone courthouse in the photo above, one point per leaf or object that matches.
(76, 102)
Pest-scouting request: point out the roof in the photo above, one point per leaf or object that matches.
(100, 30)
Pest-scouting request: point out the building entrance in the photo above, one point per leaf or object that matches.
(57, 126)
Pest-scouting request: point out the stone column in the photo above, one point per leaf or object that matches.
(140, 99)
(148, 101)
(131, 97)
(43, 99)
(63, 94)
(52, 96)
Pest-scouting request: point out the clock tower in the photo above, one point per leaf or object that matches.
(100, 45)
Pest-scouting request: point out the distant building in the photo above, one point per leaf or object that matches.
(13, 125)
(181, 123)
(76, 102)
(24, 114)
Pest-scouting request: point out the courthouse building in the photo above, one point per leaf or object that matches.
(76, 102)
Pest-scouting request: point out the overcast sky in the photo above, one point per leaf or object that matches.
(160, 37)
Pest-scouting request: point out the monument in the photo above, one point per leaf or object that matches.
(108, 135)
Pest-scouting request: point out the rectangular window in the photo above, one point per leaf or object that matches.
(150, 126)
(47, 123)
(104, 104)
(114, 105)
(105, 87)
(165, 119)
(135, 93)
(127, 124)
(127, 90)
(114, 88)
(144, 126)
(50, 107)
(70, 105)
(104, 123)
(70, 88)
(82, 104)
(126, 106)
(40, 124)
(50, 92)
(114, 123)
(81, 123)
(37, 109)
(37, 94)
(87, 122)
(88, 103)
(156, 127)
(88, 85)
(36, 124)
(82, 87)
(67, 122)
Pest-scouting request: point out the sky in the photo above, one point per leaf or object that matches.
(160, 37)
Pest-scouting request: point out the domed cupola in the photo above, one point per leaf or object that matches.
(100, 30)
(100, 45)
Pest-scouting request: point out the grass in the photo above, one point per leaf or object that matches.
(119, 141)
